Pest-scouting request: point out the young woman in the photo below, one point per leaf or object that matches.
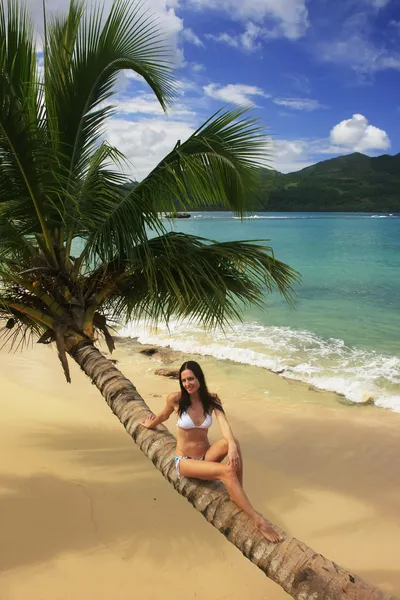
(195, 457)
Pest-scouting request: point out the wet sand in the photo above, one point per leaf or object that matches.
(83, 514)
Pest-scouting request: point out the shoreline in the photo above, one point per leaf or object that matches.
(357, 375)
(82, 508)
(173, 356)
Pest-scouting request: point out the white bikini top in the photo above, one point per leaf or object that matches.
(185, 422)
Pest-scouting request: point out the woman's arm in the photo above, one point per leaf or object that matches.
(233, 453)
(152, 421)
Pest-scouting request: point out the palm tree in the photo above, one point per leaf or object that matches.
(60, 183)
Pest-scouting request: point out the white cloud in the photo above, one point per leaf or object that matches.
(305, 104)
(248, 40)
(224, 38)
(287, 18)
(357, 135)
(197, 67)
(190, 36)
(356, 46)
(149, 105)
(360, 53)
(290, 155)
(187, 86)
(142, 103)
(146, 142)
(249, 37)
(379, 3)
(237, 93)
(299, 83)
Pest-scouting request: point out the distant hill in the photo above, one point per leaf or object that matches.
(353, 183)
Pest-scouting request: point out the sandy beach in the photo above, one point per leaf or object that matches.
(83, 514)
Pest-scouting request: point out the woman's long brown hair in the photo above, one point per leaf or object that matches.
(209, 401)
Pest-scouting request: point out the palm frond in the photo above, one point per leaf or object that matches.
(81, 81)
(219, 164)
(15, 245)
(178, 276)
(21, 149)
(19, 335)
(101, 186)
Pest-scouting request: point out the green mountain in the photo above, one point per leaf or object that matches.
(353, 183)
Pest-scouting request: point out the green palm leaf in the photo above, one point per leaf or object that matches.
(80, 79)
(219, 164)
(21, 148)
(212, 284)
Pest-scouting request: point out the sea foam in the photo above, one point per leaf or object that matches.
(328, 364)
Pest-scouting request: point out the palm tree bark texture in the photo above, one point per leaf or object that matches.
(298, 569)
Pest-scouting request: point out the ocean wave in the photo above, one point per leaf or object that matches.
(357, 374)
(269, 217)
(252, 217)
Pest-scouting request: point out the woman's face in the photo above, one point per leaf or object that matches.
(190, 381)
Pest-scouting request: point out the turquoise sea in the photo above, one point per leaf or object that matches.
(343, 334)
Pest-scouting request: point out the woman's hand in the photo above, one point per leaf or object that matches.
(234, 457)
(148, 422)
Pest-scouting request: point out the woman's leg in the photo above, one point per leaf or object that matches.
(207, 470)
(219, 450)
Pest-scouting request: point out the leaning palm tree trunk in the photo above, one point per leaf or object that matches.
(299, 570)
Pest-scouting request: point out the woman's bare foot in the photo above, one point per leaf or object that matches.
(267, 530)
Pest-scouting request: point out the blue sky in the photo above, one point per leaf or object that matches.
(320, 74)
